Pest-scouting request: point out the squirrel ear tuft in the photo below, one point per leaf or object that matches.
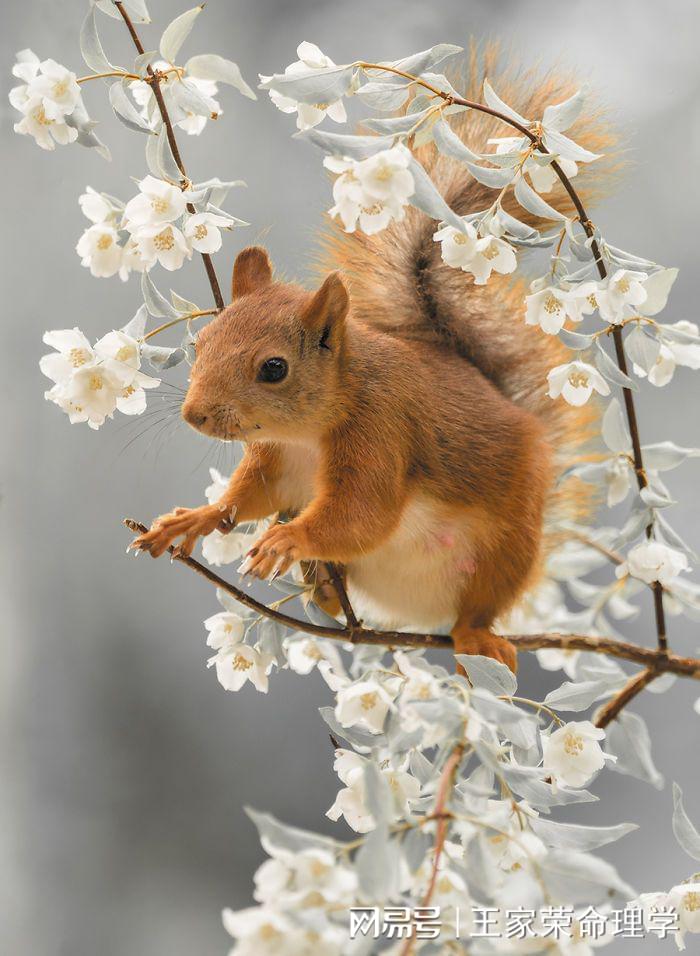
(329, 306)
(251, 270)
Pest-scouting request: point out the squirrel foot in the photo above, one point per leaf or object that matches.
(276, 551)
(479, 640)
(186, 523)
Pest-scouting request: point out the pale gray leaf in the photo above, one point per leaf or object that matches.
(614, 428)
(125, 110)
(683, 830)
(378, 865)
(156, 303)
(184, 306)
(665, 455)
(316, 86)
(642, 348)
(143, 61)
(570, 836)
(418, 63)
(533, 202)
(210, 66)
(563, 115)
(160, 357)
(177, 32)
(138, 10)
(91, 47)
(276, 836)
(496, 103)
(566, 148)
(628, 739)
(137, 326)
(579, 695)
(582, 878)
(449, 143)
(575, 340)
(345, 144)
(609, 370)
(427, 198)
(385, 97)
(165, 158)
(318, 616)
(488, 673)
(396, 125)
(415, 847)
(488, 176)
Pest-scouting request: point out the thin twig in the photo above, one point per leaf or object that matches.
(443, 818)
(170, 133)
(634, 686)
(336, 579)
(673, 663)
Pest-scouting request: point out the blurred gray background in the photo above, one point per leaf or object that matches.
(125, 764)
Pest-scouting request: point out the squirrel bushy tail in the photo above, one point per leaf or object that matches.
(398, 281)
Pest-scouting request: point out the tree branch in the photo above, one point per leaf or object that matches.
(634, 686)
(158, 93)
(662, 662)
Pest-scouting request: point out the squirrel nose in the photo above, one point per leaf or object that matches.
(193, 415)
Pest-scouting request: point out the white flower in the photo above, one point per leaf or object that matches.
(163, 243)
(96, 207)
(202, 231)
(685, 898)
(623, 291)
(132, 259)
(303, 654)
(541, 175)
(457, 248)
(555, 658)
(371, 191)
(311, 60)
(237, 663)
(90, 395)
(572, 754)
(551, 307)
(259, 931)
(653, 561)
(492, 255)
(73, 350)
(99, 250)
(225, 628)
(672, 354)
(47, 132)
(350, 801)
(575, 382)
(308, 878)
(179, 93)
(48, 95)
(158, 202)
(364, 703)
(618, 479)
(464, 250)
(420, 684)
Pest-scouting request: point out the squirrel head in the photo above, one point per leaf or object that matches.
(268, 367)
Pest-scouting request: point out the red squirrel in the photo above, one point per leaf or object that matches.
(398, 414)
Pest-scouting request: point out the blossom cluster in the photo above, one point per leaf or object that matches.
(48, 99)
(92, 382)
(155, 226)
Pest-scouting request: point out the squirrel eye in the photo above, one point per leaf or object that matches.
(273, 370)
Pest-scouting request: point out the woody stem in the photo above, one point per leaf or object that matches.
(662, 661)
(587, 226)
(167, 124)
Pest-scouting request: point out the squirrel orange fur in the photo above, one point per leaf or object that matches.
(403, 425)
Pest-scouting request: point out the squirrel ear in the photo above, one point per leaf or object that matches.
(251, 270)
(329, 306)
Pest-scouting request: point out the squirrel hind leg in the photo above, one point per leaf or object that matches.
(324, 594)
(468, 639)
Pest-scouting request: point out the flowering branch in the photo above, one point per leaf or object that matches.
(616, 332)
(657, 660)
(158, 93)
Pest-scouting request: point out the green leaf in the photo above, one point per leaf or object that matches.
(177, 32)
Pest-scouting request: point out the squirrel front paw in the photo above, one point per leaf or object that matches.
(186, 523)
(276, 551)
